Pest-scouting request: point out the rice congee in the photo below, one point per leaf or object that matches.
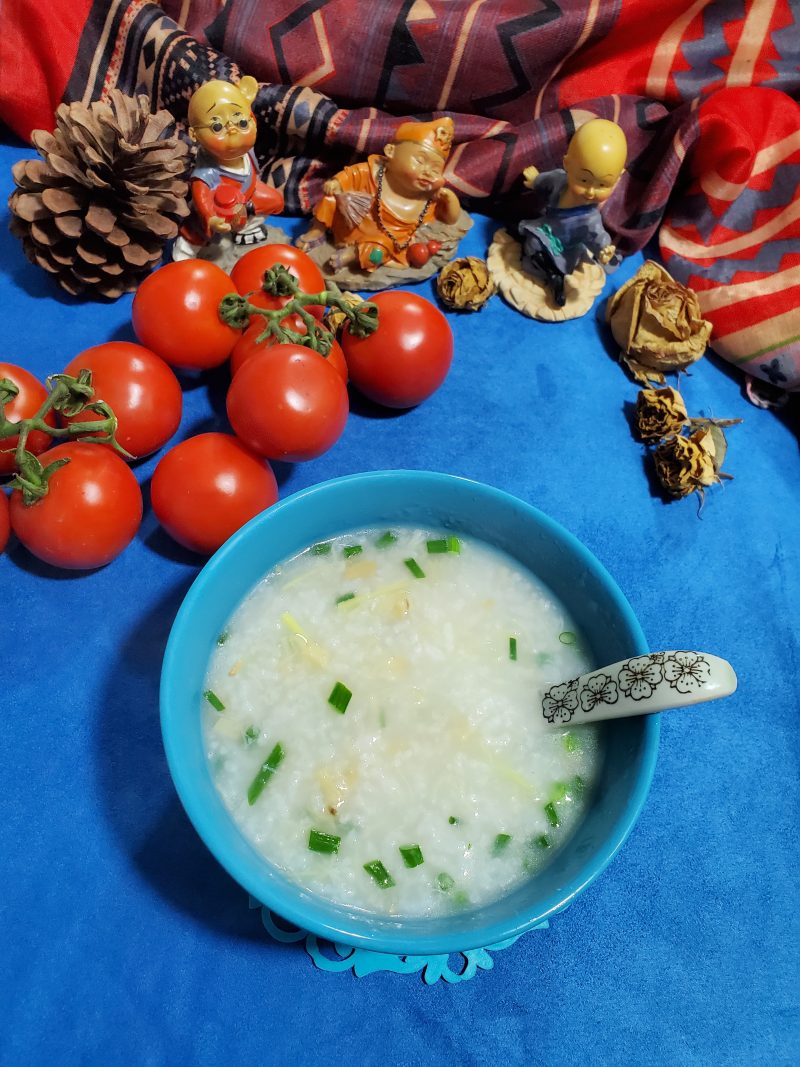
(372, 717)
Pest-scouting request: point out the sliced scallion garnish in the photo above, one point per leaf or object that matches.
(414, 567)
(319, 841)
(351, 550)
(567, 637)
(552, 814)
(223, 637)
(250, 735)
(376, 870)
(454, 820)
(558, 793)
(501, 843)
(321, 549)
(512, 648)
(577, 786)
(460, 899)
(386, 539)
(340, 697)
(265, 772)
(571, 743)
(445, 882)
(542, 841)
(344, 597)
(439, 545)
(412, 855)
(214, 700)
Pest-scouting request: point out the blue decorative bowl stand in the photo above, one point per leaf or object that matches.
(333, 956)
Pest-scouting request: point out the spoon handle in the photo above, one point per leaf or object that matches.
(639, 686)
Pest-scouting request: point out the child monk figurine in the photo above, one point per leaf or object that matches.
(382, 213)
(227, 197)
(565, 249)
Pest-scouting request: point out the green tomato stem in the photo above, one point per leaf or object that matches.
(69, 396)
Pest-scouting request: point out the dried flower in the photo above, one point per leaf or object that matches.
(657, 323)
(686, 464)
(659, 413)
(335, 318)
(465, 284)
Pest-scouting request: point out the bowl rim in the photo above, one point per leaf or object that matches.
(301, 910)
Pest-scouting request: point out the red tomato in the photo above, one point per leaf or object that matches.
(141, 390)
(407, 358)
(176, 314)
(91, 512)
(32, 394)
(288, 403)
(246, 346)
(208, 486)
(248, 274)
(5, 521)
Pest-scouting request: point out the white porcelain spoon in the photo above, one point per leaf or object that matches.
(639, 686)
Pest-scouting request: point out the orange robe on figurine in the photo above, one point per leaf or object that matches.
(374, 209)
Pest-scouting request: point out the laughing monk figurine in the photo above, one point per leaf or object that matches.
(374, 210)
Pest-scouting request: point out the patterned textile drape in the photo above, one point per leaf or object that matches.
(706, 91)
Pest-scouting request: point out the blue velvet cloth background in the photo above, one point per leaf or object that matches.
(124, 941)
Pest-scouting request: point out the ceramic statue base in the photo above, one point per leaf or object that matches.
(351, 277)
(532, 297)
(226, 250)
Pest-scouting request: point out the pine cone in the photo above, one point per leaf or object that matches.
(98, 208)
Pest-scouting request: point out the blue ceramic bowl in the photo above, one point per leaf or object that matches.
(388, 498)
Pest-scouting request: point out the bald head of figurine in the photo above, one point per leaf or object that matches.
(595, 161)
(221, 120)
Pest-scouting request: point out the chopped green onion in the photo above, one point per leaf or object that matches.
(501, 842)
(460, 899)
(386, 539)
(250, 735)
(322, 549)
(322, 842)
(214, 700)
(567, 637)
(265, 772)
(542, 841)
(558, 793)
(414, 567)
(577, 786)
(223, 637)
(345, 597)
(351, 550)
(443, 544)
(340, 697)
(572, 743)
(454, 820)
(512, 648)
(412, 855)
(445, 882)
(552, 814)
(376, 870)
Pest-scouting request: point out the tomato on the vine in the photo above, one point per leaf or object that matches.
(175, 313)
(91, 512)
(32, 394)
(5, 521)
(208, 486)
(288, 403)
(407, 358)
(246, 346)
(141, 390)
(248, 274)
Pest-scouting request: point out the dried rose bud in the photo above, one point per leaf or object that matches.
(687, 464)
(465, 284)
(335, 319)
(659, 413)
(657, 323)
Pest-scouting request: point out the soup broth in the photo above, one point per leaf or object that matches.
(373, 721)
